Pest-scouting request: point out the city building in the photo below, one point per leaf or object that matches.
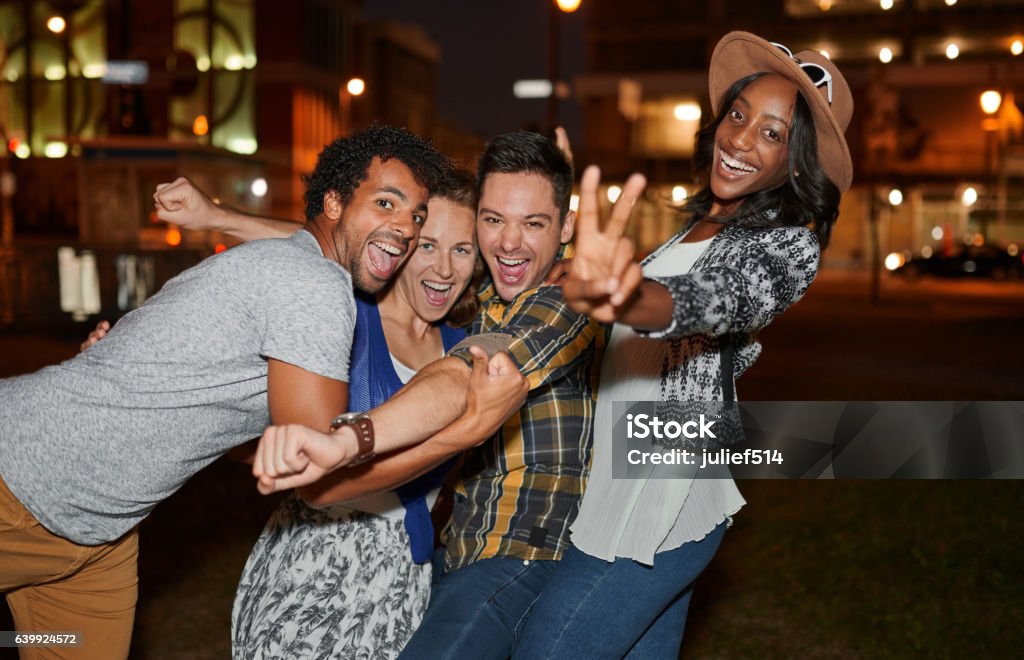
(918, 70)
(100, 100)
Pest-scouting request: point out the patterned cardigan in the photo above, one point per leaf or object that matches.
(746, 277)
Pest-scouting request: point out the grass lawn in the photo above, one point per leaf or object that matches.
(848, 569)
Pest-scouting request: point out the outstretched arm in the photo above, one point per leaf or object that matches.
(293, 456)
(768, 272)
(486, 409)
(764, 274)
(182, 203)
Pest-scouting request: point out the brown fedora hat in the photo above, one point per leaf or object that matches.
(740, 54)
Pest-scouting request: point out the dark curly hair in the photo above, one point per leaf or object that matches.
(810, 199)
(343, 164)
(528, 153)
(459, 186)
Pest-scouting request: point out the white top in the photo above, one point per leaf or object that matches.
(637, 518)
(404, 372)
(388, 504)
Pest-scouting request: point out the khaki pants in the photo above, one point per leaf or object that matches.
(54, 585)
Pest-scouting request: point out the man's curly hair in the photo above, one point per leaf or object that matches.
(342, 165)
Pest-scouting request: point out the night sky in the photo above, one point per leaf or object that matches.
(487, 45)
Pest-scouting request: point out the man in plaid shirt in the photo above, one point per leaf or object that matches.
(520, 489)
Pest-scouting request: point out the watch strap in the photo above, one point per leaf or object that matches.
(362, 426)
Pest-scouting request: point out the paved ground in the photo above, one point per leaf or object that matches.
(823, 569)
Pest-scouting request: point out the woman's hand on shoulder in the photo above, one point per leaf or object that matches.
(102, 328)
(559, 271)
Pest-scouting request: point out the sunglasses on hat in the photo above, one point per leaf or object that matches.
(817, 73)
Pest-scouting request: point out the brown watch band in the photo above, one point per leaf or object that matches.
(363, 428)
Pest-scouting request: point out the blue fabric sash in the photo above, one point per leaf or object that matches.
(372, 381)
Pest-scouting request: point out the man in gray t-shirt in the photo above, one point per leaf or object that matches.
(174, 385)
(260, 333)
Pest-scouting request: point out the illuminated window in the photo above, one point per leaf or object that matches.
(54, 71)
(666, 128)
(226, 63)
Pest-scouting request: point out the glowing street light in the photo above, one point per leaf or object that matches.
(356, 86)
(353, 88)
(555, 12)
(990, 101)
(259, 187)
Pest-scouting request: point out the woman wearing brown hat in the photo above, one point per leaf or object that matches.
(773, 164)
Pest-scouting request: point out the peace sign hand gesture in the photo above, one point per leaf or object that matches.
(603, 275)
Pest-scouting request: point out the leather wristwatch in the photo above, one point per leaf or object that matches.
(363, 428)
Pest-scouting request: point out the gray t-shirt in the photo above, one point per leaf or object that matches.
(90, 446)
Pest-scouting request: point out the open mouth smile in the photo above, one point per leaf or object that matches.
(511, 270)
(384, 258)
(735, 166)
(436, 293)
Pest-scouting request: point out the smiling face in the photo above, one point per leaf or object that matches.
(376, 229)
(752, 143)
(519, 230)
(441, 266)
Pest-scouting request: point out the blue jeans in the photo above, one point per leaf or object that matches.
(592, 608)
(478, 611)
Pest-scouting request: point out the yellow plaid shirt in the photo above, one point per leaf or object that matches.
(520, 490)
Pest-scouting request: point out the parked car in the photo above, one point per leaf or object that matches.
(991, 261)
